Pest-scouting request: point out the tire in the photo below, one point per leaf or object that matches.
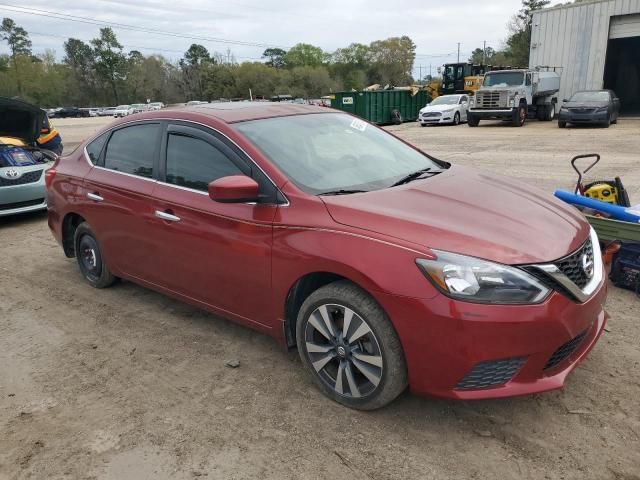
(541, 113)
(519, 116)
(423, 124)
(549, 112)
(90, 259)
(615, 121)
(456, 118)
(472, 120)
(562, 124)
(339, 371)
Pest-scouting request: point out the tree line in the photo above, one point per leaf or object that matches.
(101, 72)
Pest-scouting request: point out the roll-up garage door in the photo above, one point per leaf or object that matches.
(625, 26)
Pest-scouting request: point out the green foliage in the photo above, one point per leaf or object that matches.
(16, 37)
(275, 56)
(110, 63)
(101, 73)
(305, 55)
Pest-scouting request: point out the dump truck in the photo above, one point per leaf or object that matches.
(515, 95)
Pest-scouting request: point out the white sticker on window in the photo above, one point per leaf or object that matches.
(359, 125)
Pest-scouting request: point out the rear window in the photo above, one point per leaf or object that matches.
(95, 147)
(132, 150)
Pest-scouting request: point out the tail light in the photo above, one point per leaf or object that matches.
(48, 177)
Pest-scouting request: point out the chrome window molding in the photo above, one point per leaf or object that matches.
(581, 294)
(115, 127)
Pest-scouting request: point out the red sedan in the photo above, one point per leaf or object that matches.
(384, 266)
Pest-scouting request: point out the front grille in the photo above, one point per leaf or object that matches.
(28, 203)
(491, 373)
(563, 352)
(491, 100)
(431, 114)
(582, 110)
(29, 177)
(573, 266)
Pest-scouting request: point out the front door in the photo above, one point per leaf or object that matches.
(215, 253)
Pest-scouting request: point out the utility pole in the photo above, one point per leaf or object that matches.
(458, 52)
(484, 52)
(420, 74)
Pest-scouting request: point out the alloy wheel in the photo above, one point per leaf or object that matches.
(344, 351)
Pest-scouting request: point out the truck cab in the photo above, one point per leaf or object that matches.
(515, 95)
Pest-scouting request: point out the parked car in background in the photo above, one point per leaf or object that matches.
(23, 165)
(156, 106)
(53, 112)
(93, 112)
(122, 111)
(383, 265)
(139, 107)
(445, 109)
(72, 112)
(107, 112)
(600, 107)
(194, 102)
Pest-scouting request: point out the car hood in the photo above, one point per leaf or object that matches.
(20, 119)
(466, 211)
(437, 108)
(585, 104)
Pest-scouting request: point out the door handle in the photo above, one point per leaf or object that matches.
(167, 216)
(95, 197)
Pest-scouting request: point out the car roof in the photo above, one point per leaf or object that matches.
(233, 112)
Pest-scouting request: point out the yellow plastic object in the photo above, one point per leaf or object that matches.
(16, 142)
(603, 192)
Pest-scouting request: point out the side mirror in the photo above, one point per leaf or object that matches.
(234, 189)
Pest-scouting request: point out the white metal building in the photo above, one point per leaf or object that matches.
(597, 44)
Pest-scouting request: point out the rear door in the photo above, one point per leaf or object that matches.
(118, 196)
(216, 253)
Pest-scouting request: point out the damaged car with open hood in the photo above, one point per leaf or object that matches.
(23, 162)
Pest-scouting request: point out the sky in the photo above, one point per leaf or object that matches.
(247, 27)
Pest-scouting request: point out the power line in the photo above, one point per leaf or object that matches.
(90, 21)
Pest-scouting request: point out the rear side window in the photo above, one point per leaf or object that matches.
(132, 150)
(194, 163)
(95, 147)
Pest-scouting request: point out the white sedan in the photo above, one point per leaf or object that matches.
(445, 109)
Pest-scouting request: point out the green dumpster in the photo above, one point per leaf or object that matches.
(376, 106)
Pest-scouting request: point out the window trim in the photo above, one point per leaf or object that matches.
(226, 139)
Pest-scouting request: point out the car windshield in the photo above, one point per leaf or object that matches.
(590, 97)
(507, 79)
(446, 100)
(334, 152)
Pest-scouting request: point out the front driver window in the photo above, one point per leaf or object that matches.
(194, 163)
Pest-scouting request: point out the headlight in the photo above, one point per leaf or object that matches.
(450, 110)
(512, 102)
(602, 110)
(476, 280)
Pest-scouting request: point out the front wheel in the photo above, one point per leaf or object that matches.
(562, 124)
(456, 118)
(472, 120)
(519, 116)
(350, 347)
(90, 259)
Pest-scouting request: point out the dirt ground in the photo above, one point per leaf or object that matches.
(125, 383)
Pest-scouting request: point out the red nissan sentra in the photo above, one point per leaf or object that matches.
(384, 266)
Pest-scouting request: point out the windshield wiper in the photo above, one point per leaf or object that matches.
(342, 192)
(411, 177)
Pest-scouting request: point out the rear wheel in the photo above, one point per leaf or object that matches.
(89, 257)
(350, 347)
(550, 112)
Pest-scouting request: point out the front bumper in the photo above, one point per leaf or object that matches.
(586, 118)
(24, 198)
(445, 118)
(444, 339)
(498, 113)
